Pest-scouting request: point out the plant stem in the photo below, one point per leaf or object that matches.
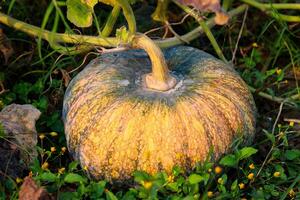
(129, 15)
(112, 18)
(160, 13)
(267, 7)
(105, 42)
(205, 28)
(43, 25)
(197, 31)
(159, 79)
(274, 98)
(212, 40)
(61, 16)
(288, 18)
(58, 37)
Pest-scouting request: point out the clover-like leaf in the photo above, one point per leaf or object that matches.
(80, 13)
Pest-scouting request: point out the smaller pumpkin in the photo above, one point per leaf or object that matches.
(121, 114)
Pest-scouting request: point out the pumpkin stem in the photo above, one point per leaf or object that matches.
(160, 78)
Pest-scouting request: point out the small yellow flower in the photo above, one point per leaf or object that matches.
(45, 165)
(19, 180)
(292, 124)
(170, 178)
(220, 181)
(61, 170)
(42, 136)
(147, 184)
(218, 170)
(279, 125)
(210, 194)
(278, 71)
(209, 170)
(276, 174)
(53, 134)
(254, 45)
(85, 168)
(63, 150)
(281, 134)
(241, 186)
(292, 193)
(250, 176)
(252, 166)
(52, 149)
(30, 174)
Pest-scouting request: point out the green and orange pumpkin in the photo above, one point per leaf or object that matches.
(116, 122)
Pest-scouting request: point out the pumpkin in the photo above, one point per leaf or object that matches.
(116, 122)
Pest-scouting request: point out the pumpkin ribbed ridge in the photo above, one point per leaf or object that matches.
(115, 126)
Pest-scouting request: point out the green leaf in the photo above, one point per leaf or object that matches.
(38, 86)
(48, 176)
(140, 176)
(36, 166)
(130, 195)
(246, 152)
(41, 104)
(195, 178)
(22, 89)
(110, 196)
(123, 35)
(229, 160)
(292, 154)
(176, 171)
(79, 13)
(97, 189)
(270, 72)
(249, 62)
(173, 186)
(8, 98)
(234, 185)
(90, 3)
(270, 136)
(189, 197)
(74, 178)
(68, 195)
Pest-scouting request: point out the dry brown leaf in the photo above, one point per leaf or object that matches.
(209, 5)
(5, 46)
(203, 5)
(30, 191)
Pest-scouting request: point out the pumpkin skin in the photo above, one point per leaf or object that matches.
(114, 125)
